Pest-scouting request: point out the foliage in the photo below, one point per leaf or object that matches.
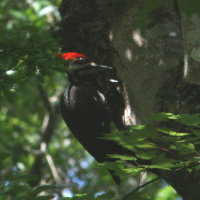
(159, 146)
(14, 185)
(165, 147)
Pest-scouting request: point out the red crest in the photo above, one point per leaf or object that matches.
(72, 55)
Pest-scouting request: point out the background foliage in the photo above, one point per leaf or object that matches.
(31, 80)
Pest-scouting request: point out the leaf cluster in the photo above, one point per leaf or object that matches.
(170, 142)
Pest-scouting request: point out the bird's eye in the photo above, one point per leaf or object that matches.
(80, 61)
(77, 64)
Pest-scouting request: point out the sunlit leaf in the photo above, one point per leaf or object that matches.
(172, 133)
(133, 170)
(185, 149)
(147, 145)
(122, 157)
(187, 119)
(160, 116)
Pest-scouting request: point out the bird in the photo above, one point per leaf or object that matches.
(91, 103)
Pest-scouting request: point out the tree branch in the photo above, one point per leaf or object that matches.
(140, 187)
(48, 128)
(43, 95)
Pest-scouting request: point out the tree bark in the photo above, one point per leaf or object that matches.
(153, 62)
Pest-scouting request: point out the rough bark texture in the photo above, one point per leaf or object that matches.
(150, 62)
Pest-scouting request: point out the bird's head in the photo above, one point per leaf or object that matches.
(80, 68)
(75, 61)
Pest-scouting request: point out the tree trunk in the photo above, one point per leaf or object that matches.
(153, 62)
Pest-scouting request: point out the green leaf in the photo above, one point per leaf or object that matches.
(160, 116)
(145, 155)
(133, 170)
(188, 119)
(146, 145)
(160, 161)
(173, 147)
(111, 165)
(80, 195)
(163, 166)
(122, 157)
(185, 149)
(172, 133)
(140, 133)
(138, 127)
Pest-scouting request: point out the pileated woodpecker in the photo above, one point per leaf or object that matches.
(92, 101)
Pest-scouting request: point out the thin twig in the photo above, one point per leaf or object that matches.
(149, 182)
(52, 166)
(53, 169)
(141, 186)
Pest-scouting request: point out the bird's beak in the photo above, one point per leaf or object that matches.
(105, 68)
(101, 66)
